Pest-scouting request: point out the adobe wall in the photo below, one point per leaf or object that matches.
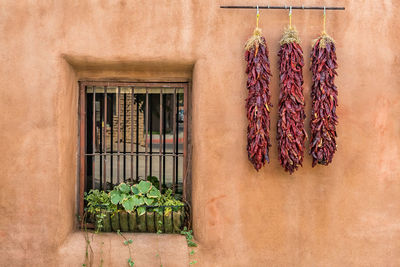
(346, 214)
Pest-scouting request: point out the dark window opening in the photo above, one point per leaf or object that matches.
(131, 132)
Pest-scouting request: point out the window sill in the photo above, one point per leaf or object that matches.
(147, 249)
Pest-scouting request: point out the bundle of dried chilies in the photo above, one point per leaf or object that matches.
(258, 102)
(324, 100)
(291, 134)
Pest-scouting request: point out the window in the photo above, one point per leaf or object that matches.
(131, 132)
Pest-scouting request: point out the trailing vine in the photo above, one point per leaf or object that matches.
(189, 239)
(128, 242)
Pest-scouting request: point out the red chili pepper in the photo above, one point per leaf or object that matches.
(258, 102)
(291, 134)
(324, 101)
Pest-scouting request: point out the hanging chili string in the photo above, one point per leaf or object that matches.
(324, 99)
(290, 131)
(258, 102)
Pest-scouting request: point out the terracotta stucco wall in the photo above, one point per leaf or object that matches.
(346, 214)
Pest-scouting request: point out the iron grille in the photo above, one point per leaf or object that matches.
(131, 132)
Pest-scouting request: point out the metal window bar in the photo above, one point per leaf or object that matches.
(164, 137)
(112, 142)
(176, 124)
(104, 94)
(160, 142)
(174, 140)
(124, 170)
(137, 138)
(105, 139)
(151, 136)
(101, 140)
(146, 113)
(119, 127)
(132, 100)
(93, 139)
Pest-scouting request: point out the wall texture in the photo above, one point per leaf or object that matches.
(346, 214)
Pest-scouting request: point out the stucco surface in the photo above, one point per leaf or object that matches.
(346, 214)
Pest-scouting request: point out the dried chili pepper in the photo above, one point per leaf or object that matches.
(324, 100)
(291, 134)
(258, 102)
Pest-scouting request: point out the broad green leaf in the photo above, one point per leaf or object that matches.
(124, 196)
(128, 204)
(141, 210)
(154, 193)
(115, 197)
(144, 187)
(148, 201)
(140, 201)
(135, 190)
(136, 201)
(124, 188)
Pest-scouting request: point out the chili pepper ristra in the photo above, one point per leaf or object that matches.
(258, 102)
(291, 134)
(324, 99)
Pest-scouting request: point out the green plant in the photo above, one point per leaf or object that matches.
(89, 254)
(101, 254)
(99, 203)
(168, 199)
(127, 242)
(189, 237)
(135, 197)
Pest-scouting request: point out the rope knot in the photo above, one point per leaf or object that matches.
(255, 40)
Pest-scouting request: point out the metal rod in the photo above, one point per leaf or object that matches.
(111, 140)
(119, 127)
(132, 97)
(287, 7)
(105, 140)
(147, 132)
(137, 138)
(101, 98)
(94, 138)
(164, 133)
(124, 138)
(160, 142)
(174, 140)
(151, 134)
